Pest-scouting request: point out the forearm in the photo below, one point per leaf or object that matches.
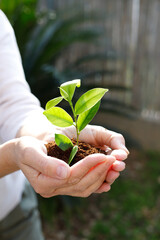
(17, 102)
(7, 158)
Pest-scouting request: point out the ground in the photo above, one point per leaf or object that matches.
(131, 210)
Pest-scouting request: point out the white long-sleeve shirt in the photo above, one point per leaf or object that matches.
(16, 103)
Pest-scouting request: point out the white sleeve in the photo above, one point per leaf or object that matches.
(16, 100)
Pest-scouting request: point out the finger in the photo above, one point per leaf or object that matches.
(49, 138)
(80, 169)
(112, 176)
(47, 186)
(76, 186)
(102, 136)
(119, 154)
(69, 132)
(118, 166)
(90, 182)
(94, 179)
(51, 135)
(52, 185)
(116, 141)
(96, 185)
(46, 165)
(105, 187)
(42, 184)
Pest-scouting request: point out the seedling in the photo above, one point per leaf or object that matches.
(83, 111)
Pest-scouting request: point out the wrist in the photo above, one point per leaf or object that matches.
(8, 158)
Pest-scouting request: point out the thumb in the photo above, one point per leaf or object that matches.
(49, 166)
(54, 168)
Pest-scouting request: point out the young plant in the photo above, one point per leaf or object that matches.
(83, 111)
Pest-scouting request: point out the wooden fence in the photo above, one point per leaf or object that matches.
(132, 29)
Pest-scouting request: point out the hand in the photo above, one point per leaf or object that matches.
(51, 176)
(112, 142)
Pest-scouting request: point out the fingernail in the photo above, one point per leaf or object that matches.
(119, 154)
(62, 172)
(123, 154)
(125, 149)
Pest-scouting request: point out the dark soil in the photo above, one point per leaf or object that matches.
(84, 149)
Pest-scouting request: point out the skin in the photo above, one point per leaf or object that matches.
(112, 142)
(50, 178)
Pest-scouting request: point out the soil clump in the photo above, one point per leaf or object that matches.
(84, 149)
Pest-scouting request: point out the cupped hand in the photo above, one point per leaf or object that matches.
(112, 142)
(51, 176)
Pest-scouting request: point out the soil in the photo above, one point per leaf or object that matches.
(84, 149)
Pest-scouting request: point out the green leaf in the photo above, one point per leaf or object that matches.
(64, 94)
(63, 142)
(89, 99)
(69, 87)
(53, 102)
(85, 117)
(58, 117)
(73, 153)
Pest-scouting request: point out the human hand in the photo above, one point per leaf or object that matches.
(51, 176)
(112, 142)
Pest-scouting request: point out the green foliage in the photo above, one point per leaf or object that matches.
(58, 117)
(85, 117)
(67, 89)
(63, 142)
(89, 99)
(53, 102)
(23, 16)
(85, 109)
(73, 153)
(44, 38)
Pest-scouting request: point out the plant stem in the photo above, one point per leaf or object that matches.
(75, 119)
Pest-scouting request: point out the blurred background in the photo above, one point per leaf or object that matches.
(111, 44)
